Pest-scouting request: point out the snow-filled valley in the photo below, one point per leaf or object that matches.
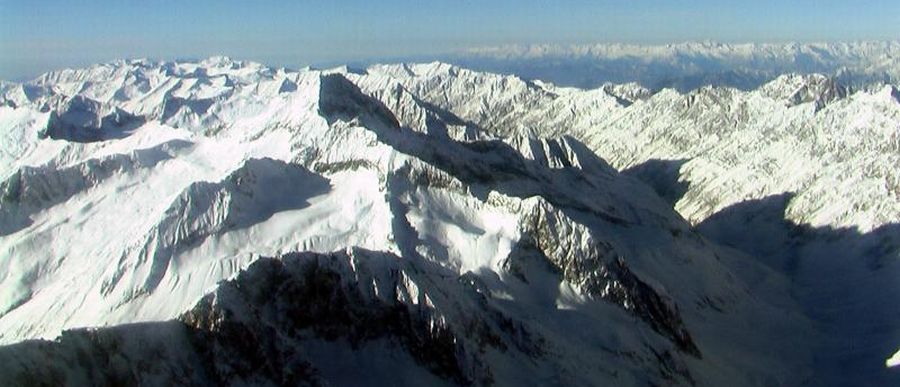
(228, 222)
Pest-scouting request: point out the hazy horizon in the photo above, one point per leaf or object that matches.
(40, 36)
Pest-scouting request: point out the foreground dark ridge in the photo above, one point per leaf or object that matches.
(283, 321)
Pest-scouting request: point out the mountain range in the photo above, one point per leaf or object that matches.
(224, 222)
(688, 65)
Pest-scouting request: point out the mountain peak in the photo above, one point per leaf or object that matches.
(796, 89)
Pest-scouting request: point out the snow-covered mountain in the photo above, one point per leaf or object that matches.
(425, 223)
(690, 65)
(801, 173)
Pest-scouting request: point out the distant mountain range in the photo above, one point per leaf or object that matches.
(687, 66)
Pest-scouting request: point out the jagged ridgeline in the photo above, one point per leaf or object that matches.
(223, 222)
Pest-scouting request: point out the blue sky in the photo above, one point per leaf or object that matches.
(41, 35)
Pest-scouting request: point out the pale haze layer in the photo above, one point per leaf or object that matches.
(38, 36)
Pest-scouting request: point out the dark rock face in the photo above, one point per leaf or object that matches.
(258, 328)
(627, 290)
(81, 119)
(307, 297)
(127, 355)
(602, 273)
(822, 91)
(341, 99)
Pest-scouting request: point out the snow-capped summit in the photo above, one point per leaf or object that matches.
(797, 89)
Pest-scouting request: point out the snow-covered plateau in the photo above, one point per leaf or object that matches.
(224, 222)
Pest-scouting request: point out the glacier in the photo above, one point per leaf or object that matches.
(232, 222)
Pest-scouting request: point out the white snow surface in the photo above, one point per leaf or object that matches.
(894, 361)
